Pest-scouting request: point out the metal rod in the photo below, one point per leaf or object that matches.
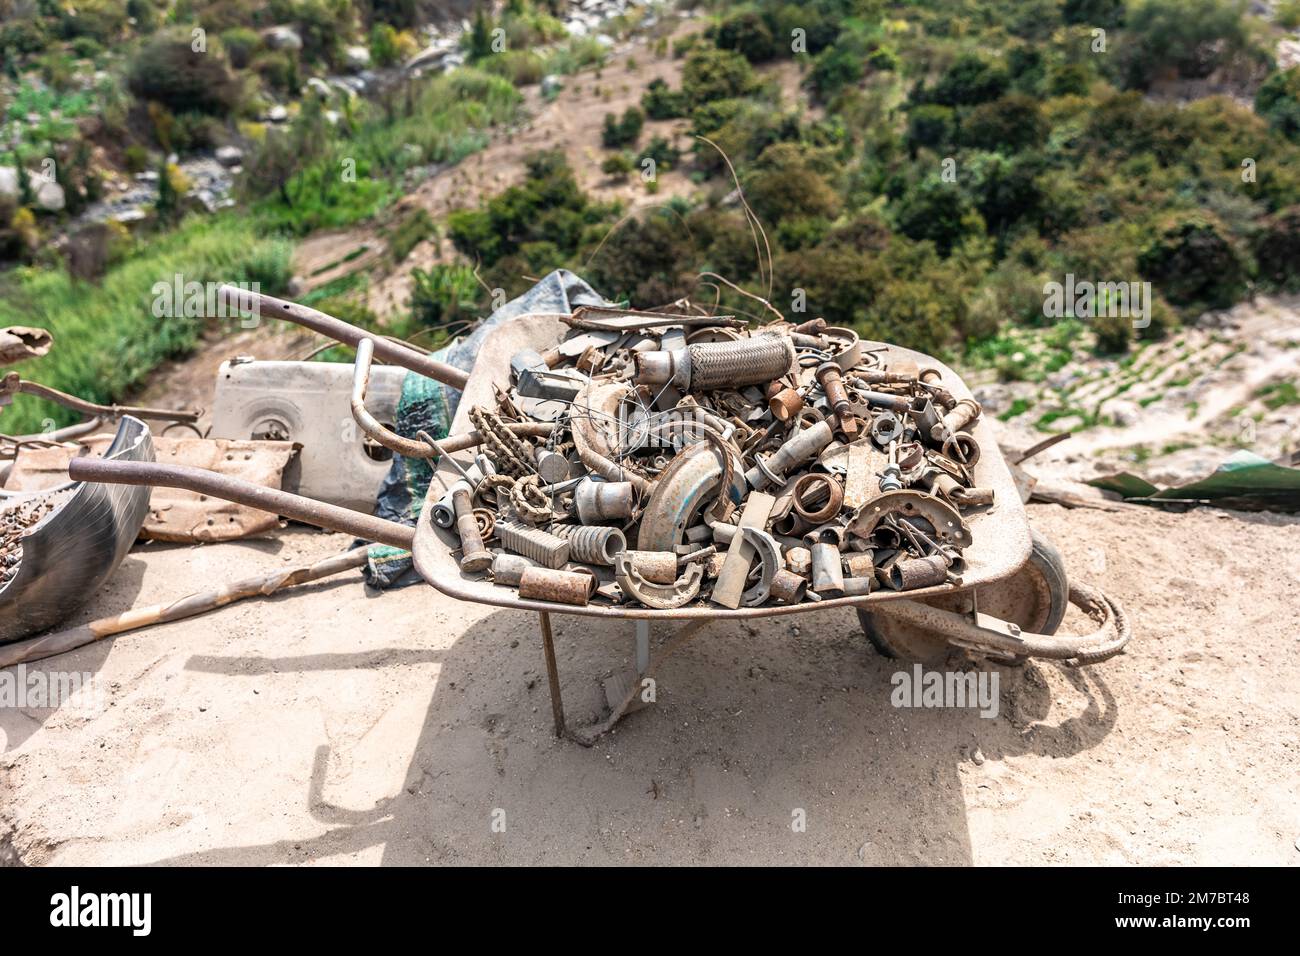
(552, 674)
(262, 585)
(270, 307)
(306, 510)
(13, 385)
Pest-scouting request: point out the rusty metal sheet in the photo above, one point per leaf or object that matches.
(175, 514)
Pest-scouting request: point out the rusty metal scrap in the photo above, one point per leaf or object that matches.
(18, 342)
(696, 461)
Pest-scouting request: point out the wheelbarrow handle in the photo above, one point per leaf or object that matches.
(297, 507)
(270, 307)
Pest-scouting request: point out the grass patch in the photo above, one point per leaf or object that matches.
(352, 177)
(1278, 395)
(106, 337)
(1018, 407)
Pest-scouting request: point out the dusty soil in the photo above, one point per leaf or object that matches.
(346, 726)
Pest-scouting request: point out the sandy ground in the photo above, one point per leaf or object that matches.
(347, 726)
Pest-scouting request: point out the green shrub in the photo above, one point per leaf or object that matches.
(648, 260)
(663, 153)
(1277, 249)
(748, 35)
(278, 69)
(1278, 101)
(240, 44)
(411, 230)
(99, 20)
(1192, 38)
(383, 45)
(520, 67)
(836, 68)
(930, 125)
(662, 103)
(784, 184)
(711, 74)
(622, 131)
(168, 71)
(443, 294)
(617, 166)
(937, 211)
(136, 158)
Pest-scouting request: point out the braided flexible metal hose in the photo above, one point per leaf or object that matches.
(751, 361)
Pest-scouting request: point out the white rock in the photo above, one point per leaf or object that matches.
(1123, 412)
(282, 38)
(229, 155)
(48, 195)
(277, 114)
(356, 58)
(318, 87)
(1288, 54)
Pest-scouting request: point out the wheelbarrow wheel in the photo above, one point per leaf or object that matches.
(1035, 598)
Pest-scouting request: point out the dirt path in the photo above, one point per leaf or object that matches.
(343, 726)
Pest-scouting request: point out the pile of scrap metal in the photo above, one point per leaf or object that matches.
(666, 459)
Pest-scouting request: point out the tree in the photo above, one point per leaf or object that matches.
(938, 211)
(971, 79)
(930, 125)
(1194, 263)
(1192, 38)
(1009, 125)
(661, 103)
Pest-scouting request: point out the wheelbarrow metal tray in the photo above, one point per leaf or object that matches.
(1001, 538)
(74, 549)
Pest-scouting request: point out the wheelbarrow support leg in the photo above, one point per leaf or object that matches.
(552, 674)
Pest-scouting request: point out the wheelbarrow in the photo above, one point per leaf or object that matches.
(1007, 605)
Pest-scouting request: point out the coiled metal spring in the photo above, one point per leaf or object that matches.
(591, 544)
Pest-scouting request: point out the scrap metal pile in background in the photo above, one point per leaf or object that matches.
(665, 459)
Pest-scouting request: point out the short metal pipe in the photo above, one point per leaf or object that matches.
(562, 587)
(827, 569)
(475, 557)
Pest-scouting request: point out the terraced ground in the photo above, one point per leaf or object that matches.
(1171, 409)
